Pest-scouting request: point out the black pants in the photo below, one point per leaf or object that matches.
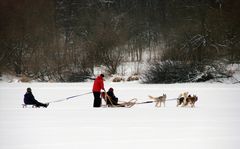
(36, 103)
(97, 100)
(114, 101)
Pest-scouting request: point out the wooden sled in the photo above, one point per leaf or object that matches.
(126, 104)
(129, 104)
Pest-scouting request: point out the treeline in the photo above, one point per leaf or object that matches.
(64, 40)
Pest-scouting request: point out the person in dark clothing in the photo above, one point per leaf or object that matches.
(98, 85)
(29, 99)
(114, 99)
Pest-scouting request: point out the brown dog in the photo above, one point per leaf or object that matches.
(159, 100)
(180, 101)
(185, 99)
(191, 100)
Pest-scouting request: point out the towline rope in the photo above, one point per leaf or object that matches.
(63, 99)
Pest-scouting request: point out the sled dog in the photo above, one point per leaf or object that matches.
(191, 100)
(181, 100)
(159, 100)
(184, 99)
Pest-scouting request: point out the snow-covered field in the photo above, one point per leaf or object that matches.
(74, 124)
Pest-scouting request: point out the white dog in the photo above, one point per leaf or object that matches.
(182, 99)
(159, 100)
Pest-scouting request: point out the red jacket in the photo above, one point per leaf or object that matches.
(98, 84)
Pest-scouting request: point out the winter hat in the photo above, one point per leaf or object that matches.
(111, 89)
(29, 89)
(102, 75)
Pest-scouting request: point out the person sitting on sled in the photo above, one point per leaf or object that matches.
(113, 99)
(29, 99)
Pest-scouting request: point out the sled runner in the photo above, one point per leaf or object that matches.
(32, 106)
(27, 106)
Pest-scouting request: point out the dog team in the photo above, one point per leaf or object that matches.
(183, 100)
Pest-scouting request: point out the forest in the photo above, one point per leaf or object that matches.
(64, 40)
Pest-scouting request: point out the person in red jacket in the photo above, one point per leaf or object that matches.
(98, 85)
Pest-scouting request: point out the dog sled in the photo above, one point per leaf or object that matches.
(112, 103)
(128, 104)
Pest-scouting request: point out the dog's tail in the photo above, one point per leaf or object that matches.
(151, 97)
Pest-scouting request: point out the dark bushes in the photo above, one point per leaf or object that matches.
(78, 76)
(180, 72)
(170, 72)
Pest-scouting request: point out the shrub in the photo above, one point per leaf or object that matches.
(25, 79)
(170, 72)
(80, 76)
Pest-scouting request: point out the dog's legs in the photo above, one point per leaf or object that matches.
(178, 103)
(184, 101)
(183, 104)
(193, 105)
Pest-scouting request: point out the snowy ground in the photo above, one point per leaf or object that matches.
(74, 124)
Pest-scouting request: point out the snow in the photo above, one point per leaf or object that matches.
(74, 124)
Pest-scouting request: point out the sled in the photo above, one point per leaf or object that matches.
(126, 104)
(27, 106)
